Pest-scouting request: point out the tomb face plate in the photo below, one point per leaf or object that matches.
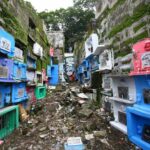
(19, 93)
(106, 60)
(7, 43)
(141, 57)
(19, 71)
(31, 77)
(138, 125)
(18, 54)
(31, 63)
(124, 88)
(6, 69)
(5, 94)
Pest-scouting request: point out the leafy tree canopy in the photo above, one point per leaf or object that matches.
(89, 4)
(74, 22)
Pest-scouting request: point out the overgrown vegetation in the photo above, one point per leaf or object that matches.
(139, 26)
(109, 10)
(13, 22)
(73, 21)
(87, 4)
(13, 25)
(139, 12)
(127, 44)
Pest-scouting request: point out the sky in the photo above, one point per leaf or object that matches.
(50, 5)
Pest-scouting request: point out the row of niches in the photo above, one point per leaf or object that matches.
(8, 48)
(20, 82)
(126, 9)
(125, 88)
(134, 30)
(120, 9)
(129, 26)
(16, 75)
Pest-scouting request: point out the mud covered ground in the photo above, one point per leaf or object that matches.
(60, 116)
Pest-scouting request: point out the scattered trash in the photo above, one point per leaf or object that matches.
(52, 87)
(23, 114)
(102, 109)
(89, 136)
(43, 135)
(74, 89)
(42, 129)
(102, 133)
(74, 143)
(59, 116)
(82, 95)
(65, 130)
(29, 121)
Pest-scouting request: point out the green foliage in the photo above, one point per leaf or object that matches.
(137, 38)
(53, 17)
(39, 64)
(123, 52)
(89, 4)
(102, 16)
(40, 35)
(109, 11)
(76, 23)
(30, 7)
(44, 64)
(46, 60)
(139, 12)
(13, 25)
(138, 27)
(16, 27)
(119, 2)
(130, 41)
(74, 20)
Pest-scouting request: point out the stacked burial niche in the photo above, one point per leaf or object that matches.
(40, 90)
(124, 92)
(138, 116)
(9, 116)
(106, 62)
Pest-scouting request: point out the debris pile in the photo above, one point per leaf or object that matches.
(61, 116)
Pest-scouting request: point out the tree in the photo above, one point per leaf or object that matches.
(75, 21)
(88, 4)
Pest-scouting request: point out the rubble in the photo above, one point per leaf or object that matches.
(43, 135)
(85, 112)
(60, 116)
(82, 95)
(102, 133)
(65, 130)
(42, 129)
(89, 136)
(105, 141)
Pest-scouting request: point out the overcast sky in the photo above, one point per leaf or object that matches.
(41, 5)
